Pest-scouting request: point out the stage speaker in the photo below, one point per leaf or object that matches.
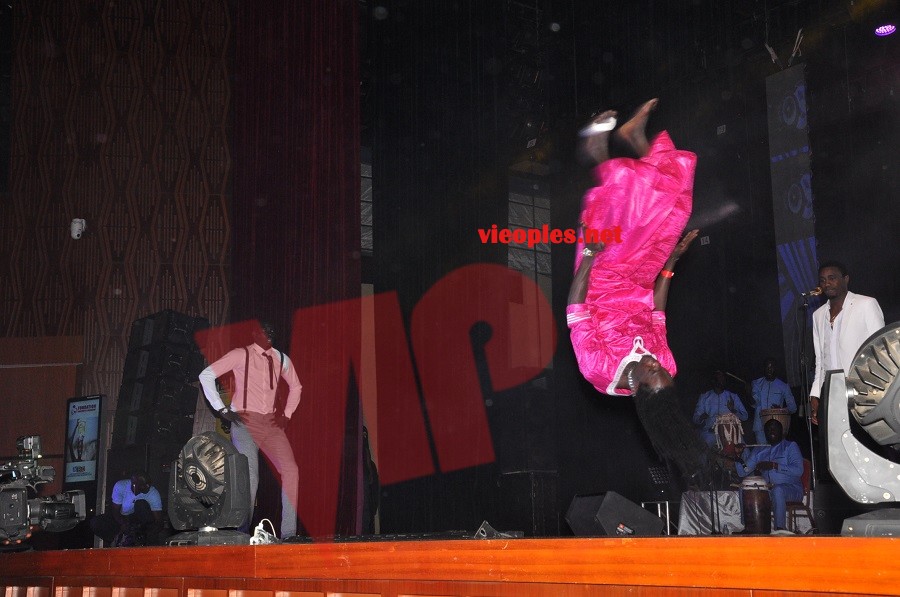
(178, 361)
(156, 401)
(132, 429)
(613, 515)
(528, 503)
(163, 394)
(168, 327)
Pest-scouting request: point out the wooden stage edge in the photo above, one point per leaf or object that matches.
(498, 567)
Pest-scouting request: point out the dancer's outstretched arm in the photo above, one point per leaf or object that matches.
(579, 287)
(661, 289)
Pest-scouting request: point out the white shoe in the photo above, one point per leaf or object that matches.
(595, 128)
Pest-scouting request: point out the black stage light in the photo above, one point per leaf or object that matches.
(209, 490)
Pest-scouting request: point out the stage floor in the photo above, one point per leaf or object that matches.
(735, 565)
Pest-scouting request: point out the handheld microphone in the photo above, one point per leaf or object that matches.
(814, 292)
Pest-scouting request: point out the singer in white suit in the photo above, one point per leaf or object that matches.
(840, 326)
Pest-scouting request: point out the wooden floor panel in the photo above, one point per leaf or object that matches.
(727, 566)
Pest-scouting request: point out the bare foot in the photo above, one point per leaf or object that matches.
(633, 134)
(597, 144)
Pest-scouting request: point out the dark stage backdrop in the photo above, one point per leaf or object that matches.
(296, 227)
(442, 88)
(438, 92)
(855, 137)
(439, 171)
(444, 77)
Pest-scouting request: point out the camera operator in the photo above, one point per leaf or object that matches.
(136, 515)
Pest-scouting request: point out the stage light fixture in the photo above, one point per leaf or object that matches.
(871, 394)
(209, 489)
(875, 16)
(873, 386)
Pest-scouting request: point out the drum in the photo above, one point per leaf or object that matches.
(728, 431)
(757, 506)
(779, 414)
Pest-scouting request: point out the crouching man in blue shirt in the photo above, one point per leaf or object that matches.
(136, 514)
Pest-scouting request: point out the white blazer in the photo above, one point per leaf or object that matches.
(861, 318)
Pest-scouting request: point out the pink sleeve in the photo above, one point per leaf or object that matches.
(593, 359)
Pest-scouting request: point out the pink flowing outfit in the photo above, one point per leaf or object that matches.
(650, 199)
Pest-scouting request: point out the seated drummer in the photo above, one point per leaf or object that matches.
(770, 392)
(781, 465)
(718, 401)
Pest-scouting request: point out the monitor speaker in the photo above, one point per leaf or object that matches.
(611, 514)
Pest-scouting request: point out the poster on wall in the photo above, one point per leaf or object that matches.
(82, 439)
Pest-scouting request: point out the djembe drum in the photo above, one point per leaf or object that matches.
(729, 432)
(757, 506)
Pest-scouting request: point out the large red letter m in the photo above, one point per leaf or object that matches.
(521, 345)
(326, 348)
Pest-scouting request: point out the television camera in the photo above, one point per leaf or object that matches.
(21, 514)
